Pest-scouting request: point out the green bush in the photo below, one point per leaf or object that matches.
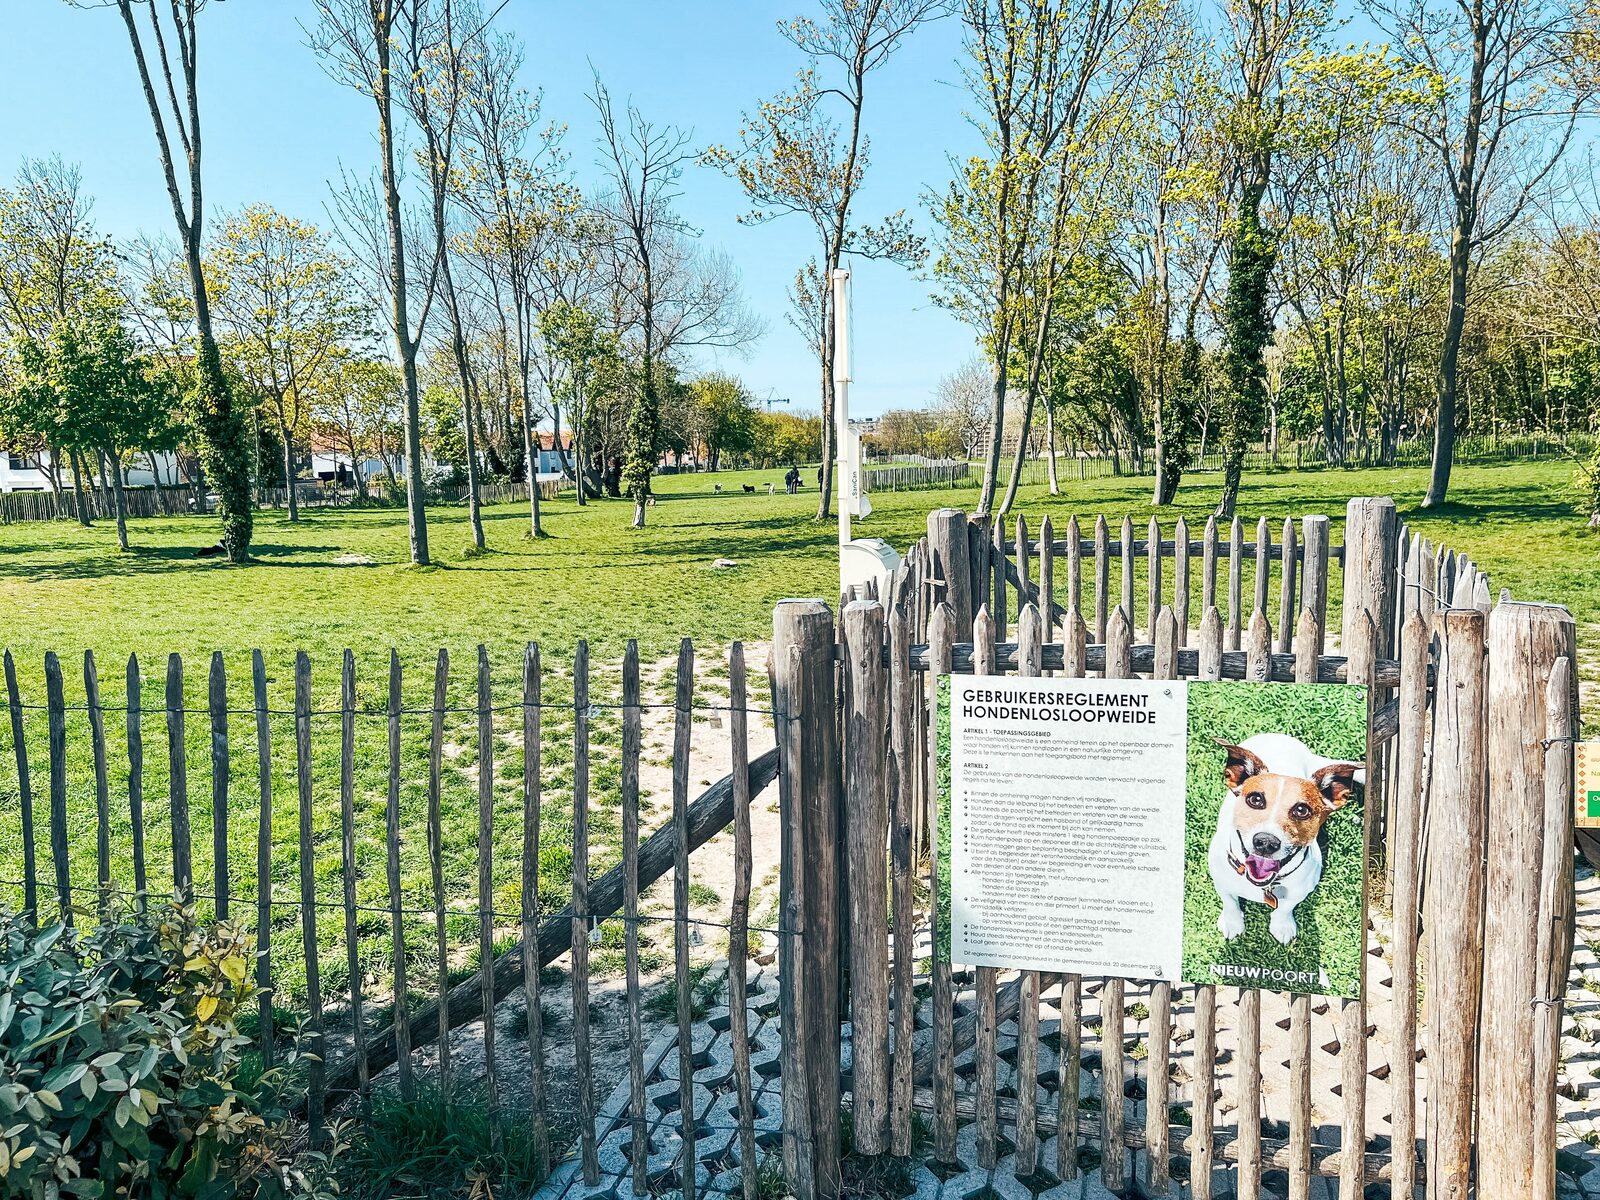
(118, 1060)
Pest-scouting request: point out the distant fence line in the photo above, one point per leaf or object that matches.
(898, 476)
(1310, 455)
(19, 507)
(905, 478)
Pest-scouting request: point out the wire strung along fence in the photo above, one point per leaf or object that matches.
(1037, 1078)
(416, 854)
(416, 857)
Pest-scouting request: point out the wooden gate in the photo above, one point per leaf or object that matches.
(1424, 1082)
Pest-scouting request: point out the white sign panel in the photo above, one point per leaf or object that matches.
(1066, 824)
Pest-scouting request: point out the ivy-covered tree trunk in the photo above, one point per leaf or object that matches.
(1247, 329)
(1175, 421)
(644, 443)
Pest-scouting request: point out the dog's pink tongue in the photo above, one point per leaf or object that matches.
(1261, 868)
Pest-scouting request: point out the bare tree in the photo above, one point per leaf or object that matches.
(514, 184)
(961, 404)
(168, 73)
(797, 159)
(669, 294)
(359, 41)
(454, 46)
(1501, 88)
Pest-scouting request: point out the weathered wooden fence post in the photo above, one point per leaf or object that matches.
(803, 693)
(1455, 899)
(952, 563)
(1371, 563)
(866, 787)
(1525, 641)
(1556, 920)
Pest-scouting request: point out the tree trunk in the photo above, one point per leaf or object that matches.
(530, 451)
(1444, 426)
(580, 474)
(474, 504)
(1019, 458)
(80, 499)
(997, 428)
(119, 499)
(405, 345)
(828, 449)
(1050, 431)
(291, 499)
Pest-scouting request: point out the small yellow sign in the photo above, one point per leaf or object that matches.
(1586, 770)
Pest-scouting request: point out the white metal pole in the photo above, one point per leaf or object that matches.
(841, 392)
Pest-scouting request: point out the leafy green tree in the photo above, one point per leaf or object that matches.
(87, 387)
(290, 313)
(1502, 89)
(1045, 76)
(726, 417)
(1269, 36)
(54, 266)
(587, 359)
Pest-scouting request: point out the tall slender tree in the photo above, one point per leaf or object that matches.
(367, 44)
(1267, 37)
(796, 157)
(169, 70)
(1504, 84)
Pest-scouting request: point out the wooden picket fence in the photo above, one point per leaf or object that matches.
(98, 825)
(19, 507)
(1471, 704)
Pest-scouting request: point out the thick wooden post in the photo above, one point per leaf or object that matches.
(803, 693)
(1371, 587)
(947, 538)
(1455, 899)
(1371, 563)
(1525, 641)
(867, 825)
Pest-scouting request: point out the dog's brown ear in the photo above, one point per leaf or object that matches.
(1336, 781)
(1241, 765)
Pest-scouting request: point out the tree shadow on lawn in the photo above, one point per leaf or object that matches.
(151, 560)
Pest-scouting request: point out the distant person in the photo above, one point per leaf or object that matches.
(791, 481)
(819, 479)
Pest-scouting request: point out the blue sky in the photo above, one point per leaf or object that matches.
(277, 128)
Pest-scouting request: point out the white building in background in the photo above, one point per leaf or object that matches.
(22, 472)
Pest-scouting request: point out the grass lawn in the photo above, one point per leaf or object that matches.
(339, 579)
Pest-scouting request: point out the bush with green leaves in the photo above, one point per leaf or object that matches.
(118, 1056)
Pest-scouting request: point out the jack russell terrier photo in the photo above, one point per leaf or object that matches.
(1270, 841)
